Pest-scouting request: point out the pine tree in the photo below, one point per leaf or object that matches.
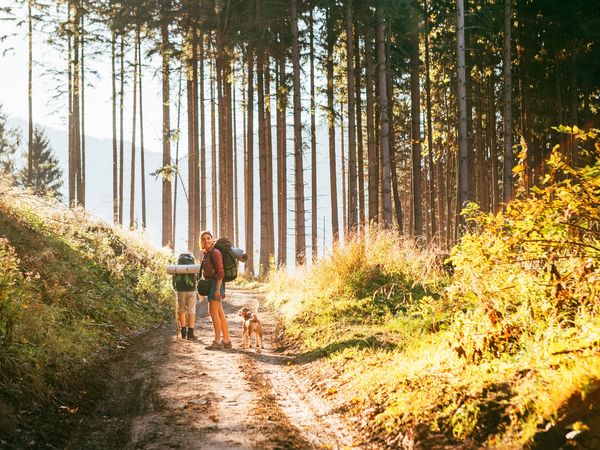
(46, 175)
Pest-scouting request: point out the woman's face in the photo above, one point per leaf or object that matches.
(206, 241)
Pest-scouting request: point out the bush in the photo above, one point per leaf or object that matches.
(532, 270)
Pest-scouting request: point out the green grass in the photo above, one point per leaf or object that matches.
(70, 286)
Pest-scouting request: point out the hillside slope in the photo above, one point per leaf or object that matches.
(70, 287)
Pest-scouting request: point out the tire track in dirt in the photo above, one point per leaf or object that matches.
(163, 392)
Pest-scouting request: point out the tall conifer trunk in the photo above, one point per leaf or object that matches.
(133, 129)
(352, 173)
(115, 174)
(249, 164)
(313, 142)
(168, 225)
(142, 156)
(298, 163)
(335, 230)
(386, 200)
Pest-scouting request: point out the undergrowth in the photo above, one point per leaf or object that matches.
(498, 354)
(69, 287)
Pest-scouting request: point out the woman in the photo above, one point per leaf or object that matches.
(212, 269)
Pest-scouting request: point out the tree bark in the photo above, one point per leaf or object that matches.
(352, 173)
(121, 130)
(507, 75)
(168, 226)
(299, 166)
(114, 130)
(282, 162)
(30, 94)
(432, 205)
(262, 166)
(384, 123)
(133, 126)
(359, 129)
(142, 156)
(415, 113)
(313, 142)
(203, 192)
(373, 177)
(335, 230)
(463, 180)
(249, 172)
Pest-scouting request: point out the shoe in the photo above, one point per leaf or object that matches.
(227, 344)
(190, 335)
(214, 346)
(183, 332)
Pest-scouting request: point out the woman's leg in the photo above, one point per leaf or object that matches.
(213, 310)
(223, 322)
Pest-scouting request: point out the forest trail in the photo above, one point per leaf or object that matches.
(164, 392)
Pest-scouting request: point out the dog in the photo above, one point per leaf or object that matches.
(251, 326)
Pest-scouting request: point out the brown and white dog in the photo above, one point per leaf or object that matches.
(251, 326)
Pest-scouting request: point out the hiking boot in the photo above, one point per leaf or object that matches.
(190, 335)
(227, 344)
(183, 332)
(214, 346)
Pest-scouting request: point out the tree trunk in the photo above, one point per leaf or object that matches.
(82, 96)
(236, 238)
(463, 180)
(282, 162)
(359, 130)
(313, 142)
(196, 162)
(133, 126)
(114, 129)
(508, 153)
(335, 230)
(269, 149)
(213, 141)
(299, 166)
(168, 227)
(30, 94)
(493, 144)
(71, 147)
(177, 174)
(352, 176)
(384, 123)
(142, 155)
(373, 165)
(344, 173)
(415, 113)
(203, 192)
(432, 206)
(262, 166)
(249, 172)
(76, 105)
(121, 132)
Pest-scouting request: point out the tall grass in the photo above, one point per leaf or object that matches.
(502, 354)
(70, 286)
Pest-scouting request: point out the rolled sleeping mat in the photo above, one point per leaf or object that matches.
(239, 254)
(183, 268)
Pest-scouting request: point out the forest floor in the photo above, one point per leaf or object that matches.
(158, 391)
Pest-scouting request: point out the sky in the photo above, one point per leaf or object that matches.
(49, 110)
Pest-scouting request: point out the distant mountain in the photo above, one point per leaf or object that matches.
(98, 163)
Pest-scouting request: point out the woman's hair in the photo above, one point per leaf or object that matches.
(206, 232)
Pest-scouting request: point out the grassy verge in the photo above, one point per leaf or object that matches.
(505, 353)
(70, 286)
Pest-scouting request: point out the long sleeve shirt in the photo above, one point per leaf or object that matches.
(208, 268)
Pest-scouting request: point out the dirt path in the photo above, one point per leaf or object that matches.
(164, 392)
